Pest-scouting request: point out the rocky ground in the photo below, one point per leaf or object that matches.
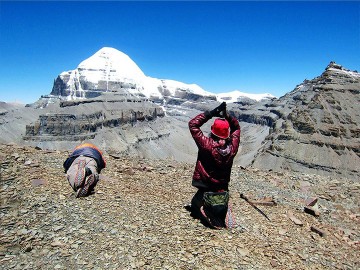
(136, 218)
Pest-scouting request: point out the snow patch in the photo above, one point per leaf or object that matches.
(236, 96)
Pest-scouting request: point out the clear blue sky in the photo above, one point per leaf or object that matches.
(254, 47)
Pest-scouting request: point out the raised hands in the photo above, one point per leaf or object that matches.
(219, 111)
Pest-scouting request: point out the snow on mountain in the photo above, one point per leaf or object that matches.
(109, 64)
(236, 96)
(106, 65)
(110, 70)
(172, 86)
(339, 70)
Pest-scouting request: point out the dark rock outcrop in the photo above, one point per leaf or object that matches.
(82, 119)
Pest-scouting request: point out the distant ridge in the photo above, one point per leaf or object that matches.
(236, 96)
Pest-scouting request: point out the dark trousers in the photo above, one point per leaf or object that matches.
(215, 215)
(196, 203)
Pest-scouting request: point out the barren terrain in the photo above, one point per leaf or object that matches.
(136, 219)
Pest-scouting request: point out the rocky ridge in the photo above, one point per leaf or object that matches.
(313, 128)
(136, 218)
(81, 120)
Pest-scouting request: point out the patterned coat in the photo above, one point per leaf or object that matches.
(87, 150)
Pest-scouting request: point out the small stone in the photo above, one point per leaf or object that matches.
(57, 244)
(114, 231)
(27, 248)
(38, 182)
(65, 253)
(304, 186)
(107, 256)
(310, 210)
(58, 228)
(303, 256)
(243, 252)
(311, 201)
(23, 231)
(15, 155)
(28, 162)
(294, 219)
(317, 230)
(354, 216)
(274, 263)
(115, 156)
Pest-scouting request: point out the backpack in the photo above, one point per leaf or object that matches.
(215, 208)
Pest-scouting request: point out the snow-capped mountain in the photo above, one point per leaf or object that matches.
(110, 70)
(236, 96)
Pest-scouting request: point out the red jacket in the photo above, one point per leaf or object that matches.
(213, 165)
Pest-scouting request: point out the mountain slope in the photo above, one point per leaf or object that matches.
(317, 129)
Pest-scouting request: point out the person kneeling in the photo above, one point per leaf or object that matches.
(82, 168)
(213, 166)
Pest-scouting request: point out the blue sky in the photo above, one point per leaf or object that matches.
(254, 47)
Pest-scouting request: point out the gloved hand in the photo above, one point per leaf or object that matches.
(218, 110)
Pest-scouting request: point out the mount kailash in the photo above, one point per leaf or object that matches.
(110, 70)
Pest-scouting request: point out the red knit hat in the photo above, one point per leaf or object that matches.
(220, 128)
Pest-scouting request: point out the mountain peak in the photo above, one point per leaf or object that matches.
(332, 64)
(109, 64)
(334, 67)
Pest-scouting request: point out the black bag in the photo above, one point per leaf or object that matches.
(215, 207)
